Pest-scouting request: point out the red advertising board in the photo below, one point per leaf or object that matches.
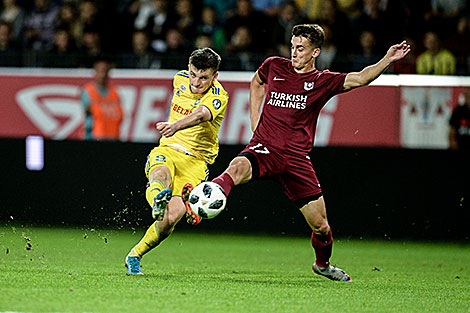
(47, 103)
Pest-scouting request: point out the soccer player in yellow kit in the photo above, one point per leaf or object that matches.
(189, 142)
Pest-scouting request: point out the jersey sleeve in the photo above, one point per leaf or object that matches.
(216, 103)
(263, 70)
(178, 79)
(334, 82)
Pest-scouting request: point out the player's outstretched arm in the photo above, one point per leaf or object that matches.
(368, 74)
(256, 99)
(199, 115)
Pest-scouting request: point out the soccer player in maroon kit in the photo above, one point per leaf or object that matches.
(285, 130)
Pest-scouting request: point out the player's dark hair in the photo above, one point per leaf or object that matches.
(205, 58)
(312, 32)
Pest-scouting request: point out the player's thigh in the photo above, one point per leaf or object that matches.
(161, 158)
(188, 169)
(300, 181)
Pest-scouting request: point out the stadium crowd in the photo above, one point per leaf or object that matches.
(161, 33)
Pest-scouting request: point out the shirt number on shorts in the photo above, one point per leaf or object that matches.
(259, 148)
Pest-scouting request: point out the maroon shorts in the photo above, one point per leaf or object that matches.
(292, 170)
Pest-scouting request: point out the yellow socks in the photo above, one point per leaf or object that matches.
(153, 190)
(150, 240)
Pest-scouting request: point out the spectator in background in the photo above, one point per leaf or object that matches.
(203, 41)
(184, 19)
(64, 53)
(459, 132)
(154, 18)
(350, 7)
(368, 52)
(102, 105)
(458, 42)
(255, 21)
(268, 7)
(435, 60)
(338, 22)
(374, 19)
(14, 15)
(445, 14)
(239, 50)
(175, 51)
(289, 15)
(141, 10)
(68, 20)
(331, 58)
(142, 55)
(91, 47)
(223, 8)
(40, 25)
(210, 26)
(312, 8)
(9, 52)
(89, 18)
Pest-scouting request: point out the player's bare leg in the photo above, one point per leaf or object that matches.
(238, 172)
(322, 240)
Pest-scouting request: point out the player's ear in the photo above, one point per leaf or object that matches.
(216, 75)
(316, 52)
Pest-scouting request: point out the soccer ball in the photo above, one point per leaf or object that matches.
(207, 200)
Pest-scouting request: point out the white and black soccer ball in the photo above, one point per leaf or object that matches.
(207, 200)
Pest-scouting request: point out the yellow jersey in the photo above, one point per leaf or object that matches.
(443, 63)
(200, 140)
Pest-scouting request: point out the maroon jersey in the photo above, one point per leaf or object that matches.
(293, 103)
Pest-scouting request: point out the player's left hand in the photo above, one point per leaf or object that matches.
(166, 129)
(399, 51)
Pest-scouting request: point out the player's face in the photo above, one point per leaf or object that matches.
(200, 80)
(303, 54)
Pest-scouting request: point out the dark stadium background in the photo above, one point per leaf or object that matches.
(370, 192)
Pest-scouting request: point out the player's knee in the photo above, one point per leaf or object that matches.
(321, 228)
(160, 173)
(239, 169)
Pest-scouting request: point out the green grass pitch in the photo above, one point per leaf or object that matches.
(81, 270)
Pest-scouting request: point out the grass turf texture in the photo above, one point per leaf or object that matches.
(81, 270)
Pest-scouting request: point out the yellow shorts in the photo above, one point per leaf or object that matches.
(183, 168)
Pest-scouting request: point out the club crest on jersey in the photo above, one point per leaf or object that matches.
(216, 104)
(308, 85)
(183, 87)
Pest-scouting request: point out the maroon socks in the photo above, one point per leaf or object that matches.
(224, 181)
(322, 244)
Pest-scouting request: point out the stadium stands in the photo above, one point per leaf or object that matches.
(67, 33)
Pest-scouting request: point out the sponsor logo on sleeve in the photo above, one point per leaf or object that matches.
(216, 104)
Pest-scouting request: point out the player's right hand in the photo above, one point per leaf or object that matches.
(166, 129)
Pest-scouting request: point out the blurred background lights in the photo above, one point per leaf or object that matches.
(34, 153)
